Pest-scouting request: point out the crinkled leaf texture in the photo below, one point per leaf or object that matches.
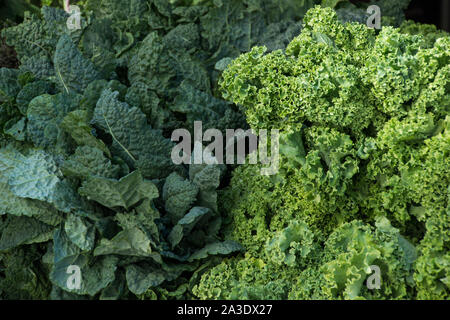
(36, 176)
(86, 176)
(125, 192)
(140, 145)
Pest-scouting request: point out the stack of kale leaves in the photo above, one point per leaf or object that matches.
(86, 177)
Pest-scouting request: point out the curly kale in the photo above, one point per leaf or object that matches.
(365, 166)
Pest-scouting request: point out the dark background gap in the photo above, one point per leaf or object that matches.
(435, 12)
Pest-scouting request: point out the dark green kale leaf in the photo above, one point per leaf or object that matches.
(133, 139)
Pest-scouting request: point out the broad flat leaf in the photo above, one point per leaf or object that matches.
(36, 176)
(130, 16)
(16, 130)
(88, 161)
(202, 106)
(24, 230)
(96, 44)
(207, 179)
(63, 247)
(80, 231)
(140, 279)
(45, 114)
(73, 71)
(115, 289)
(144, 218)
(94, 90)
(142, 96)
(76, 124)
(96, 274)
(291, 146)
(9, 84)
(217, 248)
(162, 68)
(95, 277)
(140, 145)
(111, 193)
(178, 195)
(186, 224)
(14, 205)
(30, 91)
(129, 242)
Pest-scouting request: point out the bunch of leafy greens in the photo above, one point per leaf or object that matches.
(365, 170)
(86, 177)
